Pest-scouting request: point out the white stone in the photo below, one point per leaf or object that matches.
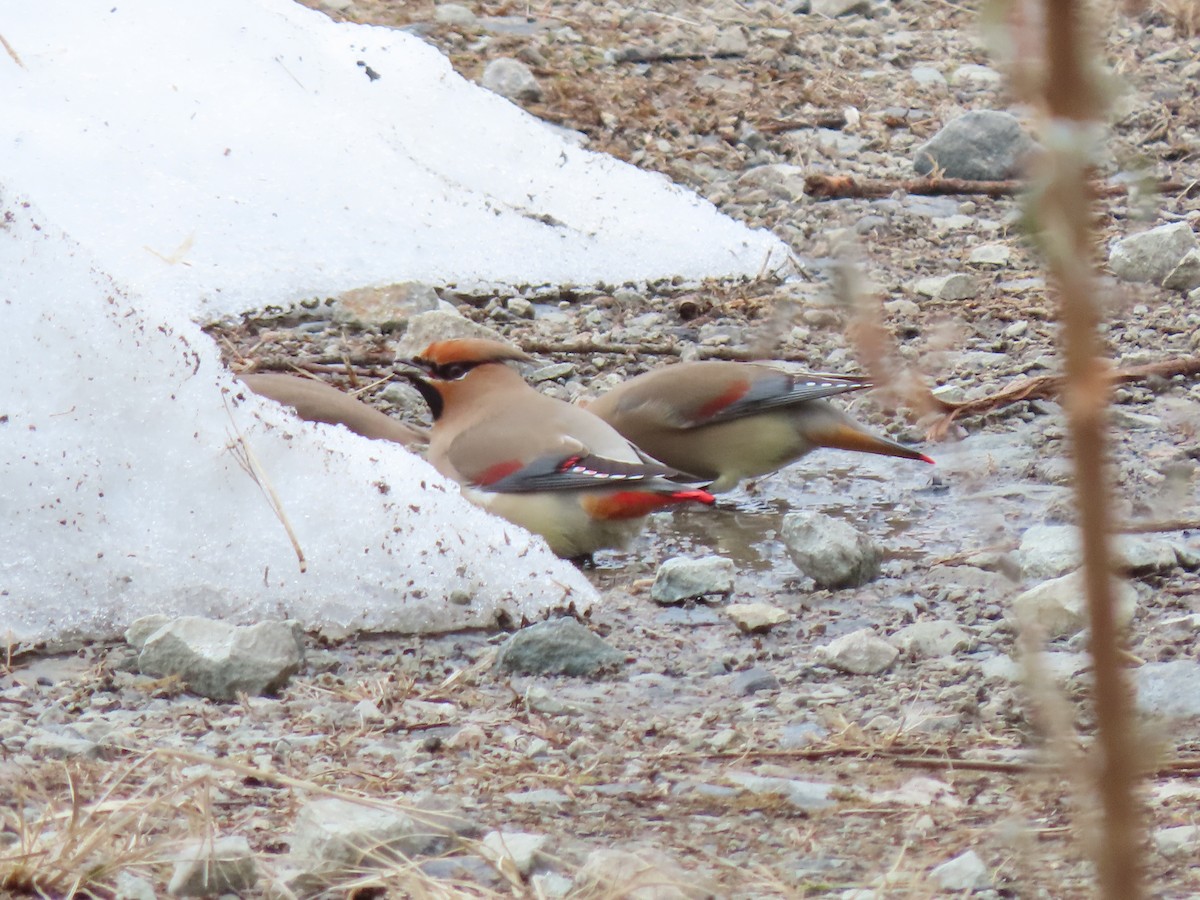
(990, 255)
(1047, 551)
(830, 551)
(805, 795)
(963, 873)
(207, 868)
(931, 639)
(976, 75)
(756, 617)
(1186, 275)
(1168, 689)
(955, 286)
(338, 835)
(1179, 840)
(455, 15)
(642, 873)
(927, 76)
(859, 653)
(1151, 255)
(681, 578)
(513, 851)
(367, 712)
(219, 660)
(511, 78)
(1059, 607)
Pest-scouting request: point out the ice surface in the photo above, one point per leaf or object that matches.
(162, 162)
(235, 153)
(122, 496)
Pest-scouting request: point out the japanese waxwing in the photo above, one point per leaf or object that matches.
(317, 401)
(727, 421)
(550, 467)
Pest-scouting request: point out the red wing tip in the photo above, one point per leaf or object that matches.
(924, 458)
(699, 496)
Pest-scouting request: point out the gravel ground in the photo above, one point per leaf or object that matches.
(719, 761)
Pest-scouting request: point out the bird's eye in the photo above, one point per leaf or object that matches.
(453, 371)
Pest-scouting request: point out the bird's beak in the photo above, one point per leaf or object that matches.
(839, 436)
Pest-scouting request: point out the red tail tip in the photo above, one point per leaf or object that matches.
(699, 496)
(925, 458)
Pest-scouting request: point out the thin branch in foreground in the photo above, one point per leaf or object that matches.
(1070, 99)
(1046, 387)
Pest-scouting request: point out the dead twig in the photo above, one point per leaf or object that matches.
(1046, 387)
(836, 187)
(240, 449)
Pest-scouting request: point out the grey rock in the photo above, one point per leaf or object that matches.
(808, 796)
(991, 255)
(1150, 256)
(140, 630)
(931, 639)
(219, 660)
(927, 76)
(781, 180)
(439, 325)
(469, 869)
(963, 873)
(830, 551)
(859, 653)
(1186, 275)
(338, 836)
(1059, 606)
(637, 874)
(541, 700)
(1123, 418)
(513, 851)
(756, 617)
(1061, 665)
(131, 887)
(511, 78)
(971, 75)
(1169, 688)
(207, 868)
(731, 41)
(557, 647)
(388, 308)
(48, 745)
(552, 372)
(540, 797)
(550, 885)
(455, 15)
(955, 286)
(1047, 551)
(1180, 840)
(755, 679)
(982, 145)
(680, 578)
(795, 737)
(832, 9)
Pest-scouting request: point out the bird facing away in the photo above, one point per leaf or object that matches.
(316, 401)
(550, 467)
(726, 421)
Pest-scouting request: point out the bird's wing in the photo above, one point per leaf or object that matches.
(506, 465)
(690, 395)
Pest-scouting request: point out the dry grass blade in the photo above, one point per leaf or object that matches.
(245, 457)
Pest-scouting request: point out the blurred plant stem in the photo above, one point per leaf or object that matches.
(1068, 88)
